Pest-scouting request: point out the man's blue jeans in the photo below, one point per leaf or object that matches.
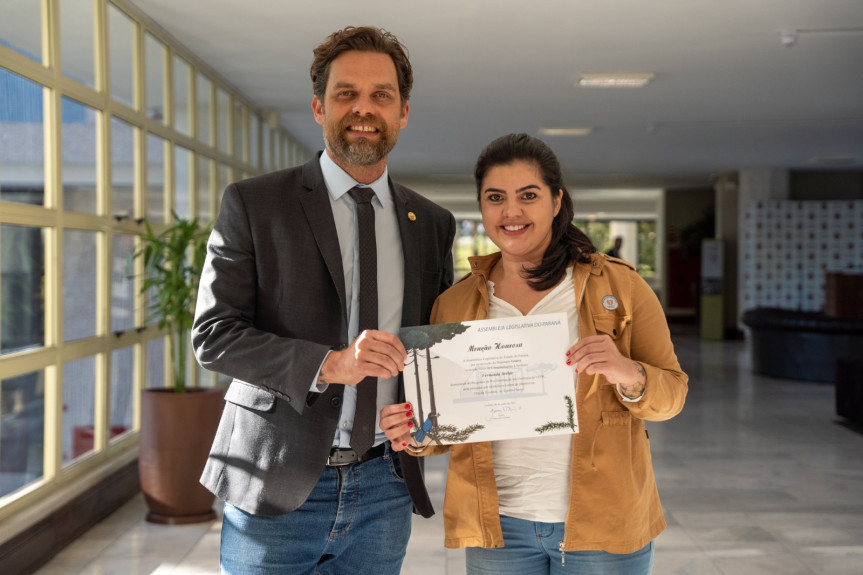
(356, 520)
(532, 548)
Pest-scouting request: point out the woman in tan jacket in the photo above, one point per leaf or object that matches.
(581, 503)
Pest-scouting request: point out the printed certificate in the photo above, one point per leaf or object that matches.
(488, 380)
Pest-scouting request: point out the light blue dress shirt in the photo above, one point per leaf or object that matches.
(390, 277)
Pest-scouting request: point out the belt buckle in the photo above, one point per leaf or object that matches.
(344, 457)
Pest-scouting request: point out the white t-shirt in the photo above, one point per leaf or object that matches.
(533, 475)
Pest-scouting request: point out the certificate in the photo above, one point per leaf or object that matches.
(487, 380)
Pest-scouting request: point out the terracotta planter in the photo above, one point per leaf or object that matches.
(177, 430)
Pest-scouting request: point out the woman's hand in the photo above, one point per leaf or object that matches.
(396, 422)
(597, 354)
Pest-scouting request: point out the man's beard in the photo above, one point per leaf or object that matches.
(362, 151)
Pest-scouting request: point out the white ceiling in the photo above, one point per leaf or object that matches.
(727, 94)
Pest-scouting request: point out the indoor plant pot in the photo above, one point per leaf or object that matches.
(178, 423)
(177, 430)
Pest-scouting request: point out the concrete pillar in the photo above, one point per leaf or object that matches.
(728, 229)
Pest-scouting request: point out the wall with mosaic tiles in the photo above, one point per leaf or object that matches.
(789, 246)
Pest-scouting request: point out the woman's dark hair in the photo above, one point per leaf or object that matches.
(361, 39)
(568, 243)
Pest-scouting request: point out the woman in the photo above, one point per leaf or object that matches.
(582, 503)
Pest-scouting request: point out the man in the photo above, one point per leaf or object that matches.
(614, 251)
(279, 311)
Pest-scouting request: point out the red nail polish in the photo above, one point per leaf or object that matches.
(404, 443)
(410, 414)
(567, 354)
(569, 362)
(407, 406)
(410, 423)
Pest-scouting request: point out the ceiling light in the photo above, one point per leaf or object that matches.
(583, 131)
(788, 37)
(614, 80)
(834, 160)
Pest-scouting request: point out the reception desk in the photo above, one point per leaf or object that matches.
(802, 345)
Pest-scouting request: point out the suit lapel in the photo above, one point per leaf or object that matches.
(316, 205)
(412, 249)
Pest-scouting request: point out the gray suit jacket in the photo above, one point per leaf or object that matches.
(271, 303)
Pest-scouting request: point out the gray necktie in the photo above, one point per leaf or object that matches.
(363, 434)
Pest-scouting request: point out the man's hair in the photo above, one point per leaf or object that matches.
(361, 39)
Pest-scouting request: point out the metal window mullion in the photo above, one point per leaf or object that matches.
(53, 240)
(104, 250)
(168, 88)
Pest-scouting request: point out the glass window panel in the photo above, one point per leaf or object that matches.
(21, 29)
(182, 121)
(79, 284)
(76, 40)
(22, 281)
(122, 391)
(205, 378)
(79, 157)
(79, 407)
(209, 379)
(22, 424)
(223, 178)
(647, 248)
(193, 375)
(204, 98)
(277, 150)
(267, 164)
(182, 175)
(239, 128)
(22, 140)
(121, 30)
(122, 284)
(122, 168)
(471, 240)
(222, 111)
(205, 186)
(155, 178)
(156, 362)
(154, 82)
(254, 140)
(597, 231)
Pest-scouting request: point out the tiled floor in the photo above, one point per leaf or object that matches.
(756, 477)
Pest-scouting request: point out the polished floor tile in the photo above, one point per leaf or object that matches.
(756, 476)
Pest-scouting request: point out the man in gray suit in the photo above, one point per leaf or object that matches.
(278, 312)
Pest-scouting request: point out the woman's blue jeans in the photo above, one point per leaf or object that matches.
(356, 520)
(532, 548)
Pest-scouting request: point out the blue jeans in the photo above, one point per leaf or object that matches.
(532, 548)
(356, 520)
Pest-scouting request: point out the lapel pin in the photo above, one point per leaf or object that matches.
(412, 216)
(609, 302)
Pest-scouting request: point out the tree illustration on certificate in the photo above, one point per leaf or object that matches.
(419, 342)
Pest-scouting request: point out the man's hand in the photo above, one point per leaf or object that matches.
(372, 354)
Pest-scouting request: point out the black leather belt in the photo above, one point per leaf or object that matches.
(341, 456)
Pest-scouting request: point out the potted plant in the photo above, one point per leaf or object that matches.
(178, 423)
